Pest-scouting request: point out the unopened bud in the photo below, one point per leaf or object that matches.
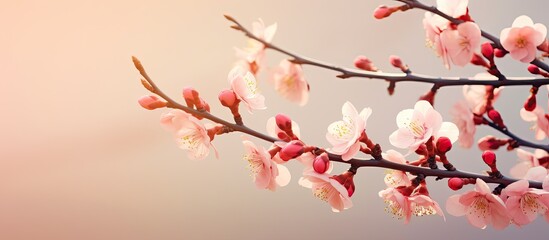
(191, 97)
(346, 179)
(382, 11)
(396, 61)
(283, 122)
(490, 143)
(487, 50)
(533, 69)
(495, 117)
(455, 183)
(499, 53)
(429, 97)
(362, 62)
(151, 102)
(292, 150)
(444, 145)
(321, 163)
(530, 103)
(479, 61)
(489, 158)
(228, 98)
(544, 46)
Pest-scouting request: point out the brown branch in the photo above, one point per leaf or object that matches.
(354, 162)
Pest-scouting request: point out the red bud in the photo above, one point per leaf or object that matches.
(321, 163)
(455, 183)
(292, 150)
(444, 145)
(499, 53)
(151, 102)
(533, 69)
(489, 158)
(228, 98)
(496, 117)
(362, 62)
(487, 50)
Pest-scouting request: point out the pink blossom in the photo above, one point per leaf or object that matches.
(244, 86)
(463, 118)
(345, 135)
(189, 132)
(266, 173)
(462, 43)
(538, 116)
(522, 38)
(290, 83)
(327, 189)
(527, 161)
(524, 203)
(403, 202)
(394, 178)
(454, 8)
(254, 53)
(480, 206)
(434, 25)
(416, 126)
(476, 95)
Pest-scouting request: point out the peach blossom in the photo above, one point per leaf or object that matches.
(463, 118)
(290, 83)
(416, 126)
(476, 95)
(403, 203)
(254, 54)
(327, 189)
(538, 116)
(266, 173)
(395, 178)
(244, 85)
(462, 43)
(190, 134)
(522, 38)
(344, 135)
(527, 161)
(454, 8)
(524, 203)
(480, 206)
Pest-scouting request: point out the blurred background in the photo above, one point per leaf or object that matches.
(79, 159)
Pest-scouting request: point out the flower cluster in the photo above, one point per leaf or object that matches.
(426, 139)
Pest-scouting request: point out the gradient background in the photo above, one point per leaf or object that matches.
(81, 160)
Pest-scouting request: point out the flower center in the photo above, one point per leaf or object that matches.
(423, 210)
(191, 141)
(394, 208)
(289, 81)
(480, 207)
(254, 162)
(251, 83)
(530, 204)
(341, 129)
(416, 128)
(521, 42)
(322, 193)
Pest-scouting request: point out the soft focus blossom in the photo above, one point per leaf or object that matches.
(344, 135)
(290, 83)
(434, 25)
(480, 206)
(190, 134)
(527, 161)
(327, 189)
(540, 119)
(463, 118)
(524, 204)
(394, 178)
(266, 173)
(253, 55)
(461, 43)
(244, 85)
(454, 8)
(416, 126)
(476, 95)
(522, 38)
(402, 202)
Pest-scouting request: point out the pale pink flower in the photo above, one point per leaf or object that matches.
(266, 173)
(327, 189)
(436, 25)
(480, 206)
(476, 95)
(190, 134)
(522, 38)
(525, 203)
(403, 203)
(463, 118)
(254, 53)
(538, 116)
(394, 178)
(244, 85)
(462, 43)
(344, 135)
(527, 161)
(290, 83)
(416, 126)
